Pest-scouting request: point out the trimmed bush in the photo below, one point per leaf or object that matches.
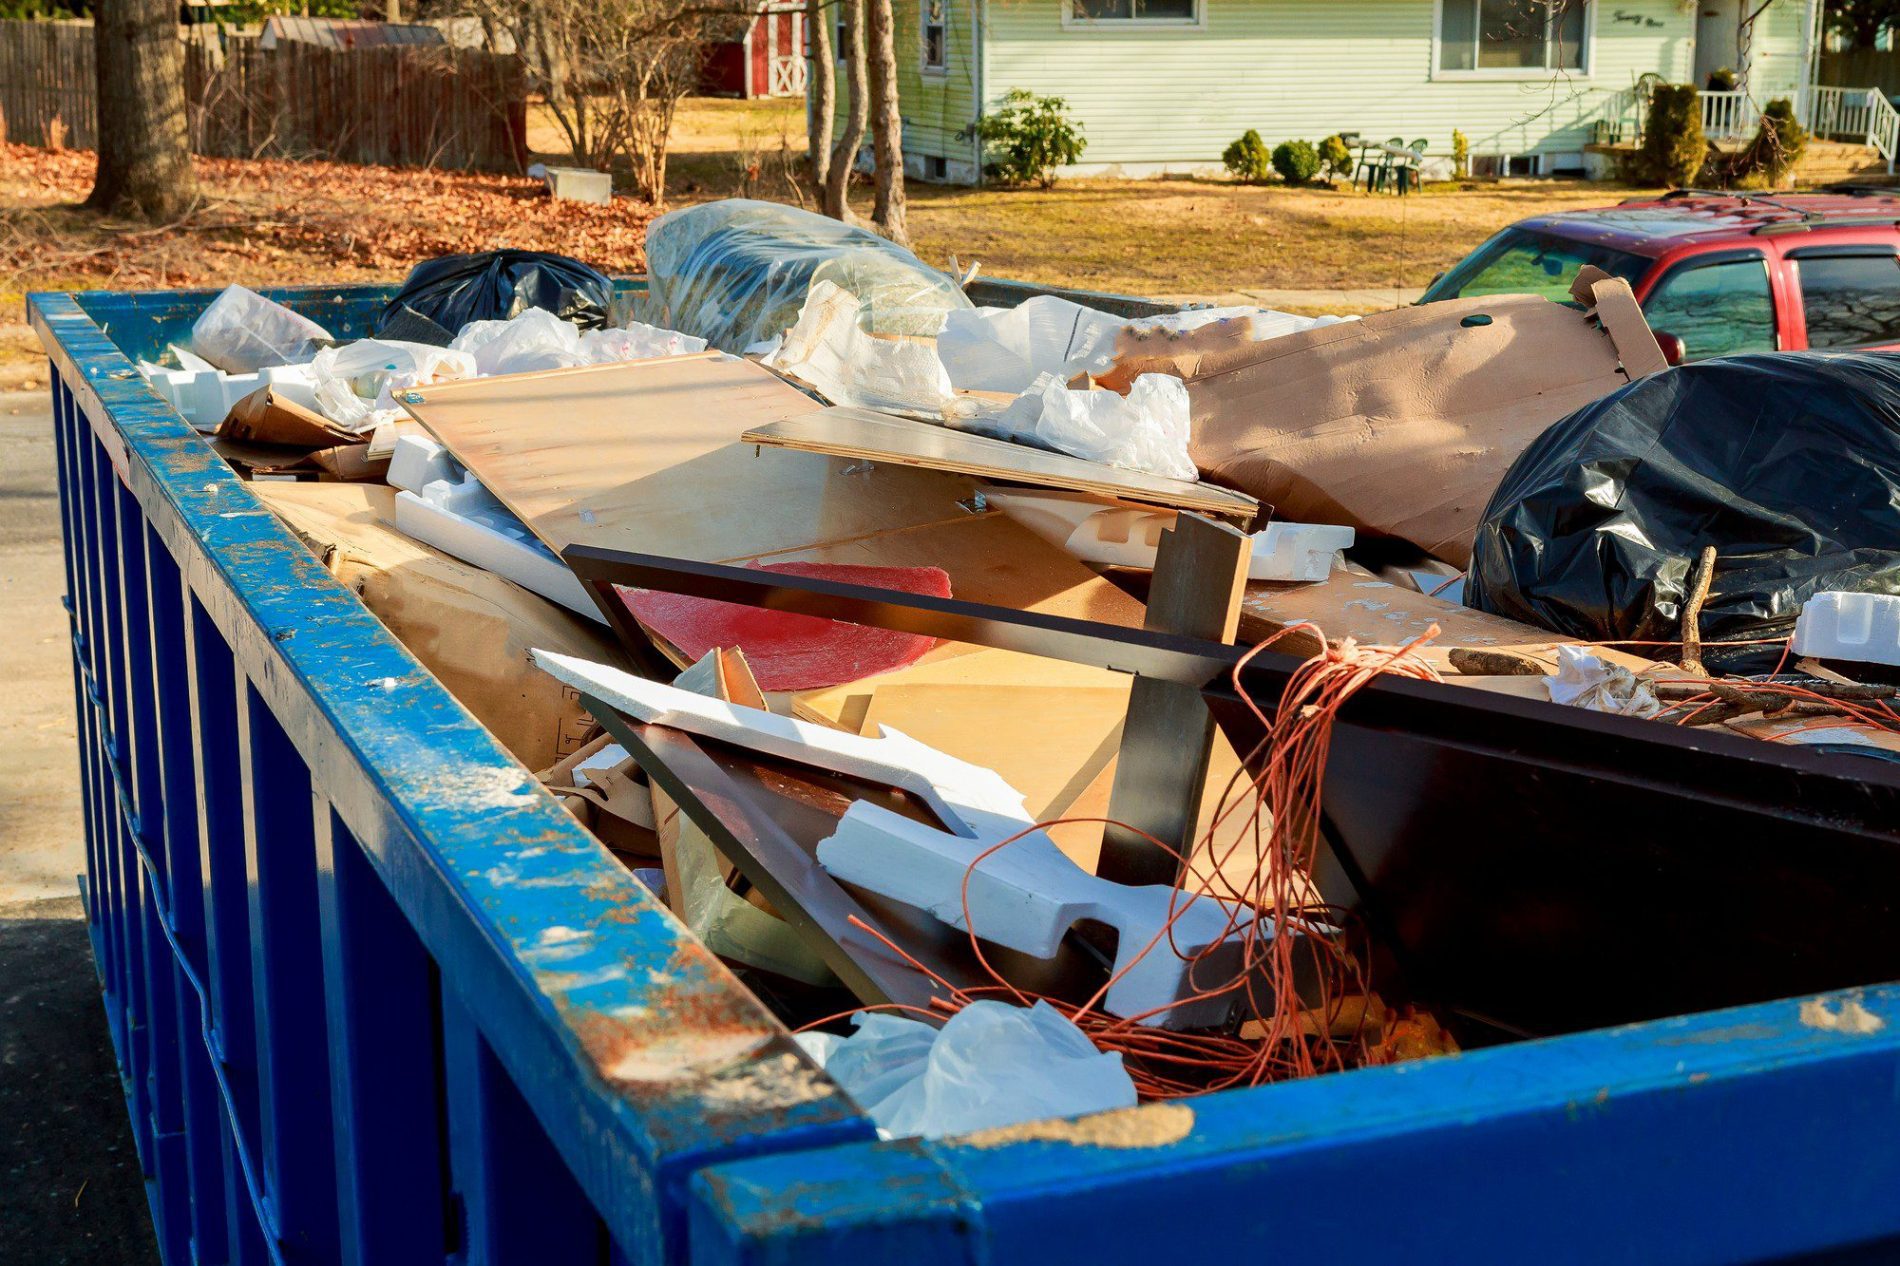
(1674, 149)
(1336, 157)
(1296, 161)
(1247, 158)
(1769, 157)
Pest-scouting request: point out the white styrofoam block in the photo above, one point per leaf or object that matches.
(204, 396)
(420, 460)
(1025, 896)
(1864, 627)
(520, 558)
(1296, 551)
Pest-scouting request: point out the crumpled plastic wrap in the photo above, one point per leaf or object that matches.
(537, 339)
(358, 381)
(243, 332)
(1788, 463)
(1007, 349)
(1585, 680)
(828, 351)
(737, 272)
(1145, 430)
(991, 1065)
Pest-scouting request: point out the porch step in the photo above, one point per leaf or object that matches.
(1825, 162)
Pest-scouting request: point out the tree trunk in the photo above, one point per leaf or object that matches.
(844, 153)
(144, 142)
(821, 87)
(887, 126)
(392, 10)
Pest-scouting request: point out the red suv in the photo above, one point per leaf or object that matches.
(1717, 273)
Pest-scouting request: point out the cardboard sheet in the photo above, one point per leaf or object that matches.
(1400, 424)
(471, 628)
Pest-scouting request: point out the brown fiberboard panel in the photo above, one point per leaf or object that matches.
(881, 437)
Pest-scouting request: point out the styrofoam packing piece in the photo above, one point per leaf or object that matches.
(1129, 536)
(495, 541)
(1863, 627)
(203, 397)
(828, 351)
(420, 460)
(1025, 896)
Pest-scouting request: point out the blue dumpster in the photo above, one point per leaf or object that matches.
(376, 998)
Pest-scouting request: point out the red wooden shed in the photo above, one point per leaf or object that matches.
(768, 62)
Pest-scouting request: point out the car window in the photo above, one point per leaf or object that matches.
(1715, 309)
(1850, 300)
(1520, 262)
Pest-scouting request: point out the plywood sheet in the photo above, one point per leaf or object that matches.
(882, 437)
(646, 456)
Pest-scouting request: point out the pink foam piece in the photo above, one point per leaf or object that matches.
(794, 652)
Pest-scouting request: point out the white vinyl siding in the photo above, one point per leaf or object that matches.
(1307, 68)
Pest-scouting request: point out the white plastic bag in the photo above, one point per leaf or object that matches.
(828, 351)
(1007, 349)
(534, 340)
(636, 341)
(991, 1065)
(1145, 430)
(357, 380)
(243, 332)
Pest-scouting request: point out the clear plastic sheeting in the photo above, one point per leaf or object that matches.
(738, 272)
(1145, 430)
(243, 332)
(537, 340)
(990, 1065)
(828, 351)
(357, 382)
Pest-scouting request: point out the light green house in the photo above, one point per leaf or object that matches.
(1164, 85)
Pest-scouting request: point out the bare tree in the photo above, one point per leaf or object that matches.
(144, 137)
(821, 89)
(887, 126)
(844, 152)
(613, 71)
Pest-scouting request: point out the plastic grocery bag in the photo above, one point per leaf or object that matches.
(1787, 463)
(1145, 430)
(991, 1065)
(243, 332)
(537, 339)
(636, 341)
(737, 272)
(358, 380)
(444, 294)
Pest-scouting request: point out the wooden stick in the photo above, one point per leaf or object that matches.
(1692, 612)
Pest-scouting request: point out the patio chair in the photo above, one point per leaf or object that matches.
(1410, 169)
(1376, 164)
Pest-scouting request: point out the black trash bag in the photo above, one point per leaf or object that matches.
(1789, 464)
(443, 294)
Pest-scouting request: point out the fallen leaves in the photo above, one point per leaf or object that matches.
(273, 221)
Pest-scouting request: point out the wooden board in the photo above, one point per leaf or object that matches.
(646, 456)
(1347, 604)
(881, 437)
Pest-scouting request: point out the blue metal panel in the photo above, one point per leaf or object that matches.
(1751, 1135)
(288, 812)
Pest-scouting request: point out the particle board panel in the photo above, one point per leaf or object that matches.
(868, 435)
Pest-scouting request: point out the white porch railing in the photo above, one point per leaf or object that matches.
(1862, 115)
(1727, 116)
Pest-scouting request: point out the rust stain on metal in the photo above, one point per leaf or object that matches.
(1851, 1018)
(1151, 1125)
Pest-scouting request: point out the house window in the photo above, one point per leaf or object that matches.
(935, 32)
(1165, 12)
(1511, 36)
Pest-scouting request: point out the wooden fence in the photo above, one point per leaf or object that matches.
(405, 106)
(1862, 68)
